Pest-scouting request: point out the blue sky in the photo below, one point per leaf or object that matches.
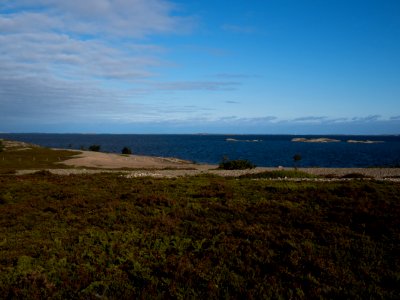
(156, 66)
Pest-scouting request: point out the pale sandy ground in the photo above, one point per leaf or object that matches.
(91, 159)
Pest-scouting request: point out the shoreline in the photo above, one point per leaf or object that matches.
(152, 165)
(90, 162)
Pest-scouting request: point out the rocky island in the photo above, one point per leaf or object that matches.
(364, 142)
(317, 140)
(247, 141)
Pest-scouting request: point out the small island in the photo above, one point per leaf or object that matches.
(364, 142)
(247, 141)
(317, 140)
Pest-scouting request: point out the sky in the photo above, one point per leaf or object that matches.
(174, 66)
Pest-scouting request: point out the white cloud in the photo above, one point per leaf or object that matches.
(117, 17)
(85, 60)
(370, 118)
(88, 60)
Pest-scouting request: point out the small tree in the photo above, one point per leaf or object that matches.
(296, 159)
(95, 148)
(1, 146)
(126, 150)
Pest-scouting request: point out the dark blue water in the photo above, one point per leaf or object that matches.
(270, 150)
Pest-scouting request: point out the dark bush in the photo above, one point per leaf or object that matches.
(1, 146)
(238, 164)
(126, 150)
(43, 173)
(95, 148)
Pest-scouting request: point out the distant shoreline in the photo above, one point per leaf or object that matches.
(261, 150)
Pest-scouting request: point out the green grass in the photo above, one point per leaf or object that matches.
(206, 237)
(33, 158)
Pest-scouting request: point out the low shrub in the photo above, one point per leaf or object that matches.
(95, 148)
(1, 146)
(206, 237)
(126, 150)
(43, 173)
(238, 164)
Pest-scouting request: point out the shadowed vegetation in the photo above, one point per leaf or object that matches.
(355, 176)
(202, 237)
(95, 148)
(280, 174)
(237, 164)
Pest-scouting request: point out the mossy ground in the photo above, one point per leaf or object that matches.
(18, 158)
(206, 237)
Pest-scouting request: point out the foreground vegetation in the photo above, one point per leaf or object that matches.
(201, 237)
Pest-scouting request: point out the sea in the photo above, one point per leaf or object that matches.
(261, 150)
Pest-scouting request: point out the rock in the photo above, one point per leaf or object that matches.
(364, 142)
(318, 140)
(247, 141)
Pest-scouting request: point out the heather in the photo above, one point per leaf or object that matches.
(104, 235)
